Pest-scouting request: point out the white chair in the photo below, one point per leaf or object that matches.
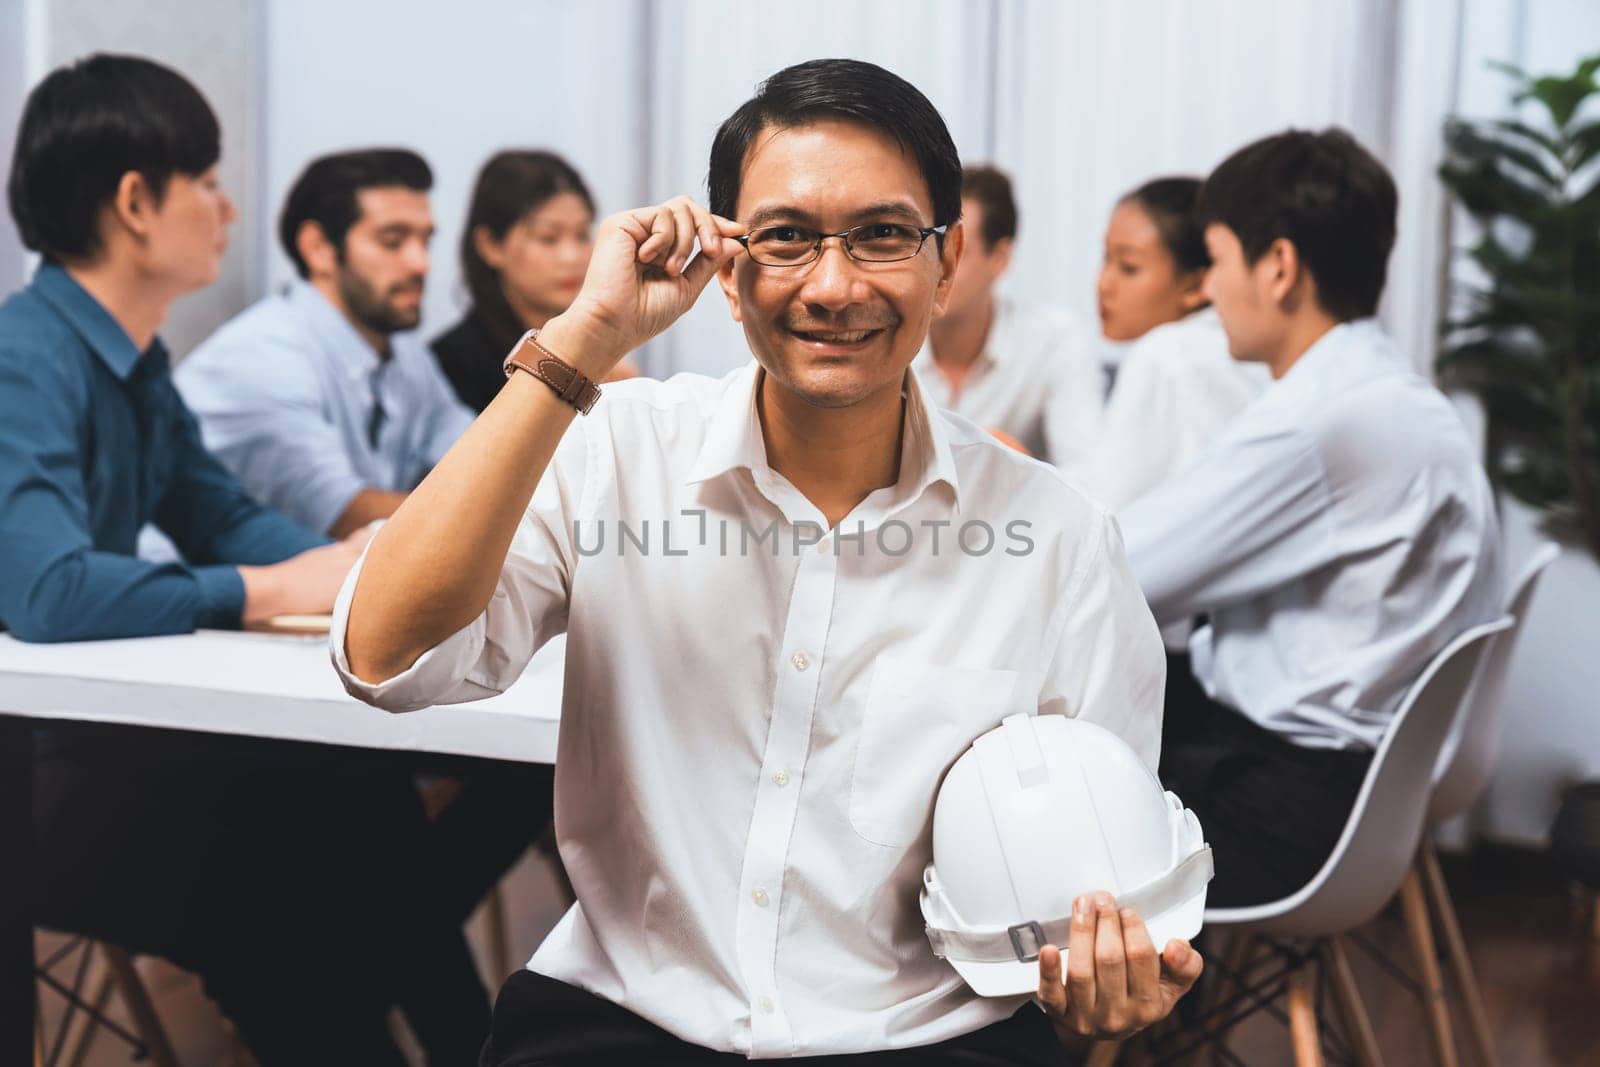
(1373, 854)
(1459, 778)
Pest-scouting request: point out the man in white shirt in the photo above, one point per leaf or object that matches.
(1025, 370)
(1338, 532)
(771, 660)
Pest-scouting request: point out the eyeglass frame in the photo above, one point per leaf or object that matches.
(924, 232)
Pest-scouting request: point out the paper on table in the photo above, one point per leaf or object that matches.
(299, 624)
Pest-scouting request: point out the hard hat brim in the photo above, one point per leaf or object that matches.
(1017, 978)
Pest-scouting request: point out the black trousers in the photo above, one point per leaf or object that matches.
(297, 881)
(540, 1022)
(1271, 810)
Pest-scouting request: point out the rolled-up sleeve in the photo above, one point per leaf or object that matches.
(528, 608)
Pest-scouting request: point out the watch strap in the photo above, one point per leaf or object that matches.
(567, 382)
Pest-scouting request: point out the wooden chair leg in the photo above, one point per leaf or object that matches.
(498, 934)
(75, 1049)
(1336, 965)
(1303, 1019)
(135, 996)
(1414, 907)
(1239, 953)
(1103, 1054)
(1460, 961)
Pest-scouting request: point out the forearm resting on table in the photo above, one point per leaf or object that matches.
(433, 566)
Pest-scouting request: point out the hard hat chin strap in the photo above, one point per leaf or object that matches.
(1022, 941)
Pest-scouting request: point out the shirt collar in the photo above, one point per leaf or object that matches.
(91, 321)
(733, 440)
(342, 341)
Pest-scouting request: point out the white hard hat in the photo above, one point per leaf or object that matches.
(1041, 810)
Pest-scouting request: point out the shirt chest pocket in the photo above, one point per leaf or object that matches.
(919, 718)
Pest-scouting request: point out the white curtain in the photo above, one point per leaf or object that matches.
(1080, 101)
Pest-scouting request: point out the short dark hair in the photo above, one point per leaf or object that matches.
(1326, 195)
(88, 124)
(510, 185)
(991, 188)
(853, 91)
(326, 191)
(1170, 204)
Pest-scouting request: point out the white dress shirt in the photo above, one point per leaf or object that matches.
(1176, 387)
(1036, 379)
(286, 393)
(754, 731)
(1339, 531)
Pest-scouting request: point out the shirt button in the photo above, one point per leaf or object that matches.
(781, 778)
(766, 1005)
(800, 660)
(760, 897)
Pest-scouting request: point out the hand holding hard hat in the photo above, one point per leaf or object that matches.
(1056, 849)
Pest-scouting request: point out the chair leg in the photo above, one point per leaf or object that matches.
(1303, 1020)
(1103, 1054)
(75, 1049)
(137, 998)
(1415, 909)
(1241, 950)
(498, 935)
(1336, 965)
(1460, 961)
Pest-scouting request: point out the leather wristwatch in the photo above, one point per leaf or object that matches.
(565, 380)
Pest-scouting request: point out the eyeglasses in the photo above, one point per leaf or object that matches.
(875, 242)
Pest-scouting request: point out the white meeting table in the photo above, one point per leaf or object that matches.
(246, 684)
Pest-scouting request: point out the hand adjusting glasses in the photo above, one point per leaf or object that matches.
(875, 242)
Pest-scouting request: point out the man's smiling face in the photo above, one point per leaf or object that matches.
(836, 331)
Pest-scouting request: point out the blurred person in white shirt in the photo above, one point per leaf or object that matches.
(1176, 385)
(1337, 533)
(1023, 371)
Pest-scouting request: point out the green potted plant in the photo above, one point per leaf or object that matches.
(1526, 340)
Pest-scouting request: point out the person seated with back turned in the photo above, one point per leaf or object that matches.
(752, 740)
(1338, 532)
(1176, 386)
(272, 870)
(1019, 368)
(319, 398)
(524, 248)
(322, 403)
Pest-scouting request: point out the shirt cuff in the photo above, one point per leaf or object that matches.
(434, 678)
(221, 597)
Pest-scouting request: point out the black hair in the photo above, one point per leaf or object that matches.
(1326, 195)
(88, 124)
(326, 193)
(853, 91)
(510, 185)
(1170, 204)
(991, 187)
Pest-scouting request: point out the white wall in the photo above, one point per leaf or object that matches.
(215, 45)
(456, 83)
(13, 88)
